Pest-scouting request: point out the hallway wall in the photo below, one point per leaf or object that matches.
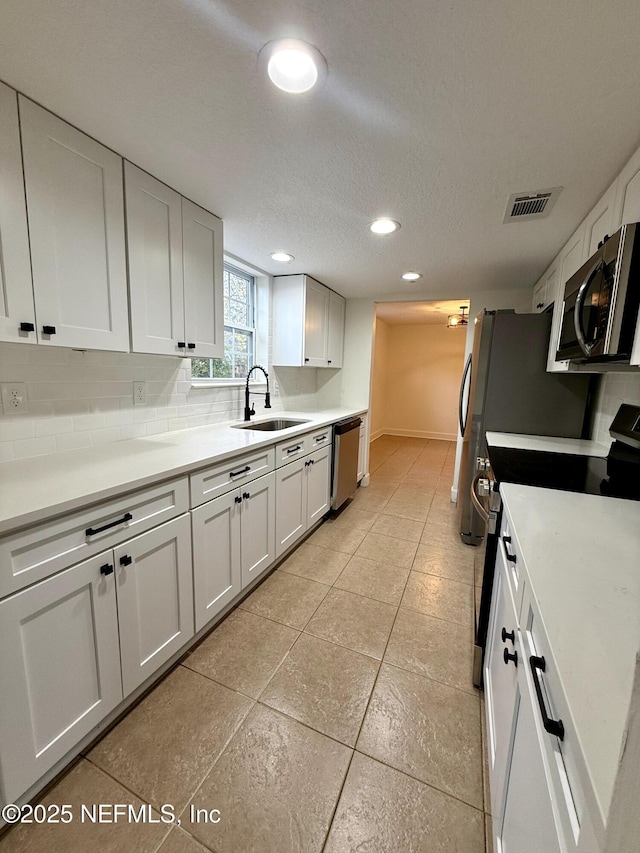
(416, 380)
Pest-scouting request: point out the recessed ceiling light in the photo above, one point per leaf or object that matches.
(411, 276)
(283, 257)
(293, 65)
(384, 226)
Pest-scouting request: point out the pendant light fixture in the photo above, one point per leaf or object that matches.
(461, 319)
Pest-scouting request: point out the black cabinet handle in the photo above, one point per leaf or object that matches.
(306, 359)
(294, 449)
(126, 560)
(311, 462)
(27, 327)
(191, 346)
(328, 361)
(507, 657)
(107, 569)
(510, 557)
(238, 499)
(508, 635)
(48, 330)
(182, 344)
(540, 305)
(245, 496)
(91, 531)
(241, 471)
(554, 727)
(321, 438)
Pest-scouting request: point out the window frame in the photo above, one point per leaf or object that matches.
(260, 309)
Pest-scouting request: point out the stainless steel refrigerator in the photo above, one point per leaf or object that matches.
(507, 389)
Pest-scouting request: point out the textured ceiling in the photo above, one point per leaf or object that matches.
(433, 113)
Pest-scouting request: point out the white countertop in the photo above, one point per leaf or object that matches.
(548, 443)
(582, 560)
(38, 488)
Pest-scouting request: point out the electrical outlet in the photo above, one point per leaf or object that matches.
(139, 393)
(14, 398)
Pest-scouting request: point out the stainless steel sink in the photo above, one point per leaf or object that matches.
(271, 426)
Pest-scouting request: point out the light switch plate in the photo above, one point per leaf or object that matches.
(14, 398)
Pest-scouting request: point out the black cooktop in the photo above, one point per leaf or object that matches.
(617, 475)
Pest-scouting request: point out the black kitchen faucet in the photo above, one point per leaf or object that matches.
(267, 396)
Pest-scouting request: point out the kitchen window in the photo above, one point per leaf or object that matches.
(239, 330)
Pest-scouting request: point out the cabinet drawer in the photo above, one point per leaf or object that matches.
(292, 449)
(39, 552)
(322, 438)
(510, 551)
(218, 479)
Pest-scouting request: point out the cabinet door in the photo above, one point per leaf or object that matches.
(60, 669)
(203, 299)
(539, 295)
(502, 694)
(291, 503)
(627, 207)
(335, 332)
(76, 225)
(155, 598)
(600, 222)
(216, 556)
(316, 312)
(528, 825)
(318, 484)
(154, 242)
(257, 527)
(16, 290)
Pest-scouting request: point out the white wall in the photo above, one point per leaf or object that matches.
(416, 380)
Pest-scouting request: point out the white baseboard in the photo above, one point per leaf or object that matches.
(377, 434)
(454, 495)
(364, 482)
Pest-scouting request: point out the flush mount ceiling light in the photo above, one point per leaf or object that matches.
(461, 319)
(384, 226)
(283, 257)
(293, 65)
(411, 276)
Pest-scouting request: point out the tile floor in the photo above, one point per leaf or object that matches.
(332, 711)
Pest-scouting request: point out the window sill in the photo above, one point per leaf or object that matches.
(225, 383)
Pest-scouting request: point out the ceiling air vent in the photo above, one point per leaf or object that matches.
(532, 205)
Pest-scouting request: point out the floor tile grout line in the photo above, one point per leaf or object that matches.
(337, 803)
(430, 678)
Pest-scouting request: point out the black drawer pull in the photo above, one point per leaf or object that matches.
(540, 305)
(321, 438)
(48, 330)
(126, 560)
(191, 346)
(241, 471)
(91, 531)
(294, 449)
(329, 361)
(508, 635)
(554, 727)
(506, 539)
(507, 657)
(182, 344)
(245, 496)
(27, 327)
(107, 569)
(306, 359)
(311, 462)
(238, 499)
(510, 557)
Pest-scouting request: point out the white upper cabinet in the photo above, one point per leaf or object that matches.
(203, 298)
(175, 271)
(154, 241)
(76, 225)
(17, 315)
(627, 207)
(308, 323)
(601, 222)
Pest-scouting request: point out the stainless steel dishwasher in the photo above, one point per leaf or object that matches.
(344, 482)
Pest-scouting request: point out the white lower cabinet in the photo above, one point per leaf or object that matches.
(59, 669)
(302, 496)
(233, 543)
(155, 598)
(528, 821)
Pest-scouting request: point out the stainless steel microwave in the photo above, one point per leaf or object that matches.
(600, 308)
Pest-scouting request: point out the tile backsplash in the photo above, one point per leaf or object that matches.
(615, 388)
(83, 398)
